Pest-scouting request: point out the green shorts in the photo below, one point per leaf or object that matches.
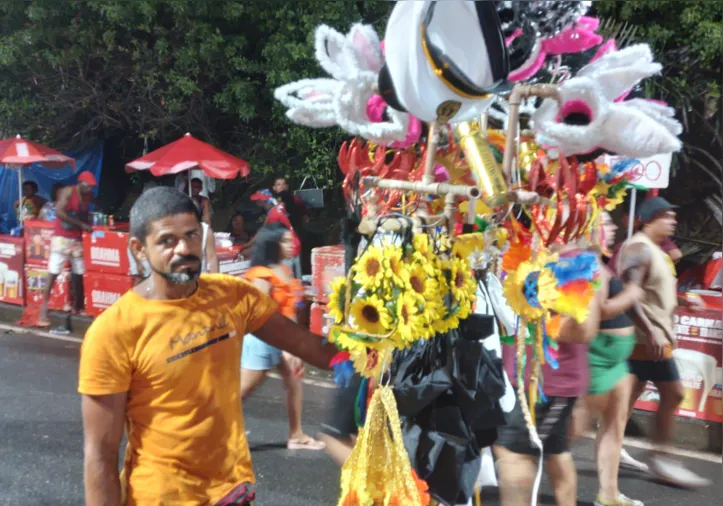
(608, 358)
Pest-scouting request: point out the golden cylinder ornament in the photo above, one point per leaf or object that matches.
(482, 163)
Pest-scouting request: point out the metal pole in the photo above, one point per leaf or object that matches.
(631, 212)
(189, 183)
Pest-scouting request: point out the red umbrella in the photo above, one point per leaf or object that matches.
(189, 153)
(18, 152)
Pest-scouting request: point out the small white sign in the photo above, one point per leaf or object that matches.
(651, 172)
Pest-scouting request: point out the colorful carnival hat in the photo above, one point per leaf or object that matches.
(443, 60)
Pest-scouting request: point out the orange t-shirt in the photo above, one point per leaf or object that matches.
(179, 361)
(286, 294)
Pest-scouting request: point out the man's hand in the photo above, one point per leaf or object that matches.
(656, 343)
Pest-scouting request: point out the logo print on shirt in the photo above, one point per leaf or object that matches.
(192, 336)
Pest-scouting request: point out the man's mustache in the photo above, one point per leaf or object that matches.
(184, 259)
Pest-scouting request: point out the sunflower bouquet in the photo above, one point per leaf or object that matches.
(397, 294)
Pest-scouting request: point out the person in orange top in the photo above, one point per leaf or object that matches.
(163, 364)
(274, 244)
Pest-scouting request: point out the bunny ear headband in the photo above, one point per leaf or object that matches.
(347, 98)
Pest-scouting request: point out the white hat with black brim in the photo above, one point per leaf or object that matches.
(444, 60)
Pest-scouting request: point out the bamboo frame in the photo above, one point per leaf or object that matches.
(458, 190)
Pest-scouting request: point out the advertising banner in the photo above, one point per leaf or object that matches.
(106, 251)
(699, 357)
(103, 290)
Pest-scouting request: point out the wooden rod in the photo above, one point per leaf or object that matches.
(430, 153)
(458, 190)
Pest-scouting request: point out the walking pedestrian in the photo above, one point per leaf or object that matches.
(272, 246)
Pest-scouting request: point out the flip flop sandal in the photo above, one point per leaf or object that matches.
(308, 443)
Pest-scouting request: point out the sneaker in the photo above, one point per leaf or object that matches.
(627, 462)
(674, 473)
(622, 500)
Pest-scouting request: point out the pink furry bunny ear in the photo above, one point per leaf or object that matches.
(366, 42)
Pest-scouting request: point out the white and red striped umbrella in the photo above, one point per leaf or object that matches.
(189, 153)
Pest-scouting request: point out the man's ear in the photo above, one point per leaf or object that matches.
(137, 248)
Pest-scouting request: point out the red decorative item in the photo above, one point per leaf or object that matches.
(103, 290)
(189, 153)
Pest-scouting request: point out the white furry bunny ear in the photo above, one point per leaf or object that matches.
(630, 132)
(309, 101)
(659, 112)
(368, 47)
(336, 54)
(620, 71)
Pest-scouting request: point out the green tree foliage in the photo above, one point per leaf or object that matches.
(687, 38)
(78, 70)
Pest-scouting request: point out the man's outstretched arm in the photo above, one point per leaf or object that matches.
(289, 336)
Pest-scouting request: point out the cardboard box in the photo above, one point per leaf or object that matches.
(37, 241)
(36, 279)
(12, 252)
(319, 320)
(327, 263)
(103, 290)
(106, 251)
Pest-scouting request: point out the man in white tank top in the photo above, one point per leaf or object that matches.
(642, 260)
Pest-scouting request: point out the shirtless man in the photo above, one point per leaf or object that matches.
(643, 261)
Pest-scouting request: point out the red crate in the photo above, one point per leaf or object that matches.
(319, 319)
(37, 241)
(106, 251)
(231, 263)
(327, 263)
(36, 279)
(103, 290)
(11, 270)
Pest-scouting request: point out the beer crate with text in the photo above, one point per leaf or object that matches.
(327, 263)
(36, 280)
(231, 263)
(38, 235)
(103, 290)
(106, 251)
(11, 270)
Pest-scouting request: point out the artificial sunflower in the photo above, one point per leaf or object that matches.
(461, 282)
(409, 321)
(395, 270)
(347, 340)
(422, 248)
(370, 362)
(423, 286)
(526, 288)
(370, 269)
(466, 244)
(337, 298)
(370, 316)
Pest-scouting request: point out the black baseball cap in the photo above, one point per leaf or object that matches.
(653, 207)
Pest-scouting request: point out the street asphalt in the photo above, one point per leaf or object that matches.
(41, 440)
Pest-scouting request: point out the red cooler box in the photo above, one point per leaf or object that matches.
(327, 263)
(106, 251)
(319, 320)
(36, 279)
(231, 263)
(102, 290)
(11, 270)
(37, 241)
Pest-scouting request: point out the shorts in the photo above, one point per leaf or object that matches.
(656, 371)
(259, 356)
(608, 358)
(552, 421)
(341, 422)
(62, 250)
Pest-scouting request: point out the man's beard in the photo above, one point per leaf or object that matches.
(180, 278)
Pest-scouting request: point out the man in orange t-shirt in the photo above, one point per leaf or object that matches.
(164, 363)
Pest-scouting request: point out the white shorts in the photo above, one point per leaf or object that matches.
(64, 250)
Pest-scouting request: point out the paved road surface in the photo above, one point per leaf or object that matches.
(41, 440)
